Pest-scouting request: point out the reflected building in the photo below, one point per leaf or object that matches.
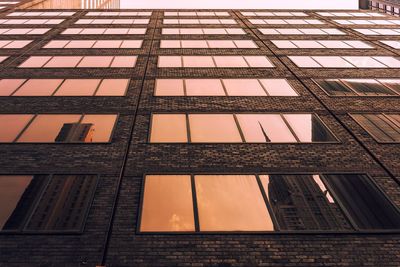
(76, 132)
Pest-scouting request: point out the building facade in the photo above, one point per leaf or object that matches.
(199, 137)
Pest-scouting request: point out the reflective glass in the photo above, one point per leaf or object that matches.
(368, 87)
(11, 126)
(8, 86)
(278, 87)
(168, 128)
(112, 87)
(204, 87)
(243, 87)
(169, 87)
(38, 87)
(101, 127)
(78, 87)
(335, 87)
(309, 128)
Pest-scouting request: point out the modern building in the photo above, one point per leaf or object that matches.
(218, 137)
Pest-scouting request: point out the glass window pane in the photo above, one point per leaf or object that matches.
(243, 87)
(11, 125)
(309, 128)
(47, 128)
(364, 62)
(12, 194)
(113, 87)
(35, 62)
(380, 127)
(393, 84)
(204, 87)
(168, 128)
(169, 87)
(307, 44)
(124, 62)
(278, 87)
(198, 62)
(95, 62)
(230, 62)
(264, 128)
(80, 44)
(258, 62)
(221, 44)
(101, 127)
(108, 44)
(213, 128)
(335, 87)
(231, 203)
(367, 206)
(368, 87)
(193, 44)
(78, 87)
(167, 204)
(169, 62)
(332, 62)
(38, 87)
(8, 86)
(334, 44)
(63, 62)
(304, 62)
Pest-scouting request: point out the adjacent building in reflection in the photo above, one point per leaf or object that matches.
(76, 132)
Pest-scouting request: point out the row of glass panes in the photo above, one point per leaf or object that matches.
(345, 61)
(379, 31)
(360, 87)
(112, 21)
(31, 21)
(273, 14)
(214, 62)
(238, 128)
(202, 31)
(286, 21)
(79, 62)
(345, 44)
(41, 14)
(367, 22)
(43, 203)
(106, 31)
(29, 31)
(300, 31)
(59, 128)
(207, 44)
(384, 128)
(93, 44)
(393, 44)
(196, 13)
(63, 87)
(10, 44)
(120, 14)
(264, 203)
(199, 21)
(223, 87)
(350, 14)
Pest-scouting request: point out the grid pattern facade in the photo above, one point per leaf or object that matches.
(111, 234)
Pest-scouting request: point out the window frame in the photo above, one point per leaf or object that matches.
(278, 230)
(243, 142)
(22, 230)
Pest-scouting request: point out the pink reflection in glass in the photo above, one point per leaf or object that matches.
(11, 125)
(38, 87)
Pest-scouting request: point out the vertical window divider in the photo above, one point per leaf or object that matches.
(290, 127)
(58, 87)
(195, 208)
(263, 87)
(24, 129)
(98, 87)
(223, 86)
(239, 129)
(244, 58)
(215, 63)
(188, 128)
(267, 204)
(208, 45)
(78, 61)
(184, 87)
(51, 57)
(26, 80)
(181, 57)
(112, 61)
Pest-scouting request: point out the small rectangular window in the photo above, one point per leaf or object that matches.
(79, 62)
(381, 126)
(43, 203)
(169, 128)
(352, 87)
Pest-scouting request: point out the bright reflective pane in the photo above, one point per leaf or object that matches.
(78, 87)
(221, 44)
(101, 127)
(264, 128)
(230, 62)
(194, 44)
(169, 61)
(48, 128)
(304, 62)
(198, 62)
(12, 188)
(95, 62)
(169, 87)
(124, 62)
(80, 44)
(204, 87)
(108, 44)
(8, 86)
(309, 128)
(213, 128)
(278, 87)
(11, 125)
(63, 62)
(332, 62)
(364, 62)
(243, 87)
(113, 87)
(35, 62)
(168, 128)
(231, 203)
(258, 62)
(167, 204)
(38, 87)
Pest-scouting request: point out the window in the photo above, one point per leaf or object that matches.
(105, 31)
(199, 21)
(9, 44)
(360, 87)
(223, 87)
(94, 44)
(285, 21)
(320, 44)
(119, 14)
(272, 14)
(266, 202)
(192, 14)
(112, 21)
(376, 31)
(45, 203)
(31, 21)
(60, 87)
(41, 14)
(79, 62)
(349, 14)
(207, 44)
(367, 22)
(21, 31)
(59, 128)
(214, 62)
(301, 31)
(385, 128)
(238, 128)
(345, 62)
(210, 31)
(393, 44)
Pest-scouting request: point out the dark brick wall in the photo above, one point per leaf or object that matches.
(356, 151)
